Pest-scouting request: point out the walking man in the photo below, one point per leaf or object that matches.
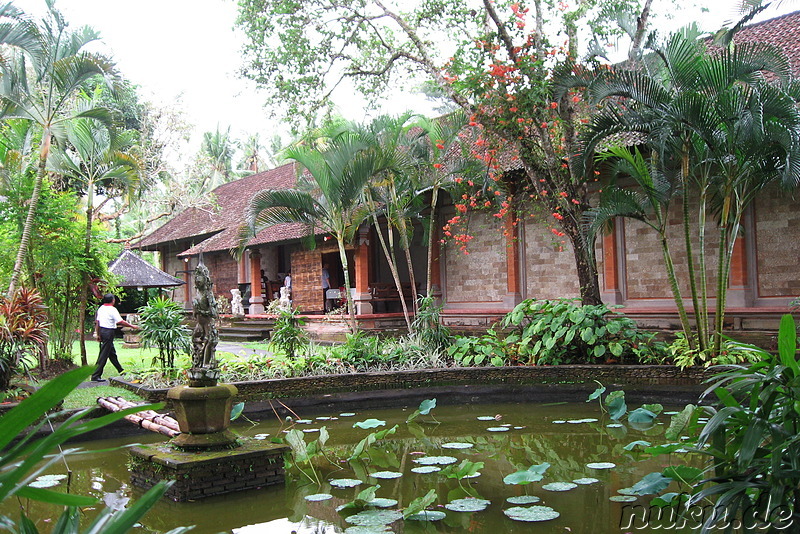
(105, 329)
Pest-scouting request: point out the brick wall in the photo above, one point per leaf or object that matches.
(549, 265)
(224, 272)
(477, 278)
(206, 473)
(777, 223)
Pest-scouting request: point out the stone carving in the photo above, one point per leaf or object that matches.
(285, 302)
(236, 302)
(204, 336)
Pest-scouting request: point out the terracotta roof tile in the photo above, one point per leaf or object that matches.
(135, 272)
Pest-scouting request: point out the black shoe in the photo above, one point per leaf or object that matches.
(99, 380)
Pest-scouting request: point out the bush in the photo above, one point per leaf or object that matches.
(162, 328)
(23, 332)
(552, 332)
(288, 335)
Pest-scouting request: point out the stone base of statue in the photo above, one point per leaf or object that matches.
(202, 377)
(203, 414)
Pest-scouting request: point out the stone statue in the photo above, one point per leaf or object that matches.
(236, 302)
(204, 336)
(285, 303)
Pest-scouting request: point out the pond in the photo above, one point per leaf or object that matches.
(577, 440)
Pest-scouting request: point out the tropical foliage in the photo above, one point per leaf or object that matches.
(162, 327)
(23, 333)
(720, 126)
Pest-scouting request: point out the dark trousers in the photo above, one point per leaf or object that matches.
(107, 352)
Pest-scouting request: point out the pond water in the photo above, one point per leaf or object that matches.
(505, 437)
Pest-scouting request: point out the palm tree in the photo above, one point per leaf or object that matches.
(38, 84)
(217, 148)
(729, 130)
(338, 168)
(96, 159)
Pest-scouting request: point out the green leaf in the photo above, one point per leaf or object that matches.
(420, 503)
(362, 499)
(652, 483)
(237, 410)
(596, 393)
(55, 497)
(615, 401)
(599, 351)
(639, 443)
(641, 415)
(615, 348)
(683, 473)
(369, 423)
(787, 344)
(655, 408)
(426, 406)
(534, 473)
(296, 440)
(679, 423)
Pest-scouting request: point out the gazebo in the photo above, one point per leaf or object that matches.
(136, 273)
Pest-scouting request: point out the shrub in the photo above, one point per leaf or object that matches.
(23, 332)
(288, 335)
(552, 332)
(162, 328)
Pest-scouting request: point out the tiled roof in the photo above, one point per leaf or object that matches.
(135, 272)
(215, 227)
(782, 32)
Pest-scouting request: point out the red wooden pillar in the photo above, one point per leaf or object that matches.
(256, 300)
(513, 274)
(740, 290)
(612, 258)
(362, 270)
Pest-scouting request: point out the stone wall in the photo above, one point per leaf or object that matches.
(476, 279)
(203, 474)
(549, 263)
(777, 223)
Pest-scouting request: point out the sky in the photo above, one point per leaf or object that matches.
(185, 53)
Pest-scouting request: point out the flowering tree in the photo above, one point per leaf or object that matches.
(497, 65)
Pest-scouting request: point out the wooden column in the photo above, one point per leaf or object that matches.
(513, 274)
(256, 300)
(361, 259)
(612, 280)
(740, 286)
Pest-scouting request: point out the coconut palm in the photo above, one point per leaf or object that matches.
(337, 170)
(730, 131)
(96, 160)
(38, 84)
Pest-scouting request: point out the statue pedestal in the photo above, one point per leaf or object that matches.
(204, 415)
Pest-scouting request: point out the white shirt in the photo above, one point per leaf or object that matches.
(326, 279)
(108, 316)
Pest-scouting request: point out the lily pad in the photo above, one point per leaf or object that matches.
(524, 499)
(427, 515)
(323, 418)
(374, 518)
(457, 445)
(559, 486)
(580, 421)
(319, 497)
(345, 482)
(614, 425)
(425, 469)
(531, 513)
(601, 465)
(369, 423)
(346, 414)
(559, 422)
(467, 504)
(386, 474)
(261, 436)
(304, 421)
(497, 429)
(358, 529)
(626, 491)
(585, 481)
(485, 418)
(622, 498)
(435, 460)
(380, 502)
(47, 481)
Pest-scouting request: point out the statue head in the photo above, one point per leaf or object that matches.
(202, 277)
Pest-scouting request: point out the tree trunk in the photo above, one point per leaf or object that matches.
(393, 269)
(27, 229)
(84, 289)
(431, 226)
(346, 272)
(586, 267)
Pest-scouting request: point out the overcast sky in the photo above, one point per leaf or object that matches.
(188, 50)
